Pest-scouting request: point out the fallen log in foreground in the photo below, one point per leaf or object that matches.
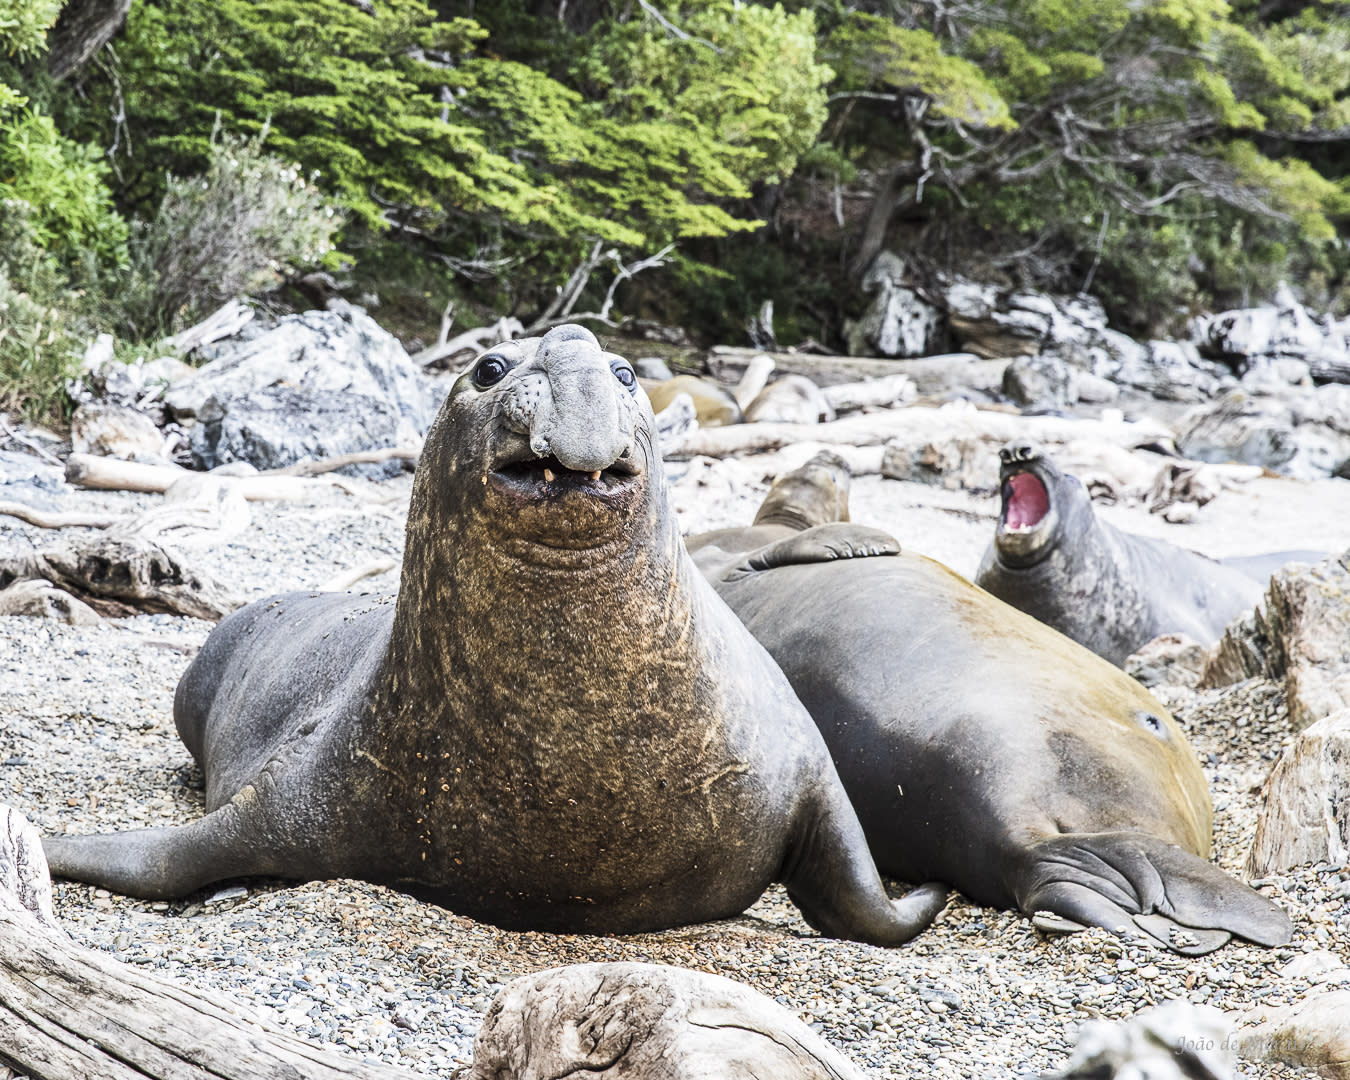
(71, 1013)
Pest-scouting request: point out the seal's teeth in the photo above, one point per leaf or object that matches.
(595, 475)
(548, 475)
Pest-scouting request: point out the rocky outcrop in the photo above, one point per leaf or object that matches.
(1303, 434)
(1306, 816)
(317, 384)
(1300, 634)
(118, 431)
(1175, 1040)
(1312, 1033)
(898, 322)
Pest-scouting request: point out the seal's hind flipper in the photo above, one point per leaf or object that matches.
(163, 863)
(1130, 882)
(820, 543)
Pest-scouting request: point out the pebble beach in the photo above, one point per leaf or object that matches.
(88, 744)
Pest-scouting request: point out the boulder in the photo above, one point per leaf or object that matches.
(1168, 660)
(28, 479)
(1042, 383)
(1299, 435)
(1306, 814)
(43, 600)
(277, 426)
(897, 322)
(1311, 1033)
(1174, 1040)
(1299, 633)
(336, 363)
(116, 431)
(649, 1021)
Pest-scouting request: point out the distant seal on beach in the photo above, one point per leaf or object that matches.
(556, 725)
(979, 747)
(1108, 590)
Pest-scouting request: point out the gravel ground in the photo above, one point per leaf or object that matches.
(88, 744)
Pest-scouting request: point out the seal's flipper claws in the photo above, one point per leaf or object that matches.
(821, 543)
(1132, 883)
(1185, 940)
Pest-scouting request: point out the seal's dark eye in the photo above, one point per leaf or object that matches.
(491, 370)
(625, 375)
(1153, 723)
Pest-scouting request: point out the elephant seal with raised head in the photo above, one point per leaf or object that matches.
(980, 747)
(1108, 590)
(556, 725)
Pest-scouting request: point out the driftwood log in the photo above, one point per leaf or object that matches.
(71, 1013)
(109, 474)
(914, 422)
(121, 575)
(649, 1021)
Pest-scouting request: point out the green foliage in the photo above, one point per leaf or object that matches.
(64, 182)
(24, 25)
(39, 320)
(871, 53)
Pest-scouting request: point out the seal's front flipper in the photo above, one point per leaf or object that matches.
(1129, 882)
(161, 864)
(820, 543)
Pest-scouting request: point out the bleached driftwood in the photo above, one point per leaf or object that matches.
(470, 343)
(117, 575)
(884, 391)
(914, 422)
(71, 1013)
(54, 519)
(107, 474)
(226, 321)
(753, 380)
(647, 1020)
(341, 461)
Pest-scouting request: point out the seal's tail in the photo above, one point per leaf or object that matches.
(1130, 882)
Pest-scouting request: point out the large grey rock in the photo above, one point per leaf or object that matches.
(1299, 633)
(1043, 383)
(1174, 1040)
(1306, 815)
(897, 322)
(116, 431)
(1313, 1033)
(1302, 435)
(277, 426)
(338, 363)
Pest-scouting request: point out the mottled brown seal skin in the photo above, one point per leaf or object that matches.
(557, 725)
(1108, 590)
(980, 747)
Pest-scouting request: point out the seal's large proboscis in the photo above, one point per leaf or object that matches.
(980, 747)
(1109, 590)
(557, 725)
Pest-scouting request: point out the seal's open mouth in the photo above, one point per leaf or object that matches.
(1028, 525)
(545, 477)
(1025, 502)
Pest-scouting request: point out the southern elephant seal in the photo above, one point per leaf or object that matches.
(556, 724)
(1109, 590)
(980, 747)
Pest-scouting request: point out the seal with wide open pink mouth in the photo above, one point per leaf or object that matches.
(1027, 523)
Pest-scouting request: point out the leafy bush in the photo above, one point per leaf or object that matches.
(245, 224)
(39, 321)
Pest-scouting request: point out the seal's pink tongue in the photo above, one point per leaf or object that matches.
(1027, 501)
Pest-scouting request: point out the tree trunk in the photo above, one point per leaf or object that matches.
(84, 27)
(71, 1013)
